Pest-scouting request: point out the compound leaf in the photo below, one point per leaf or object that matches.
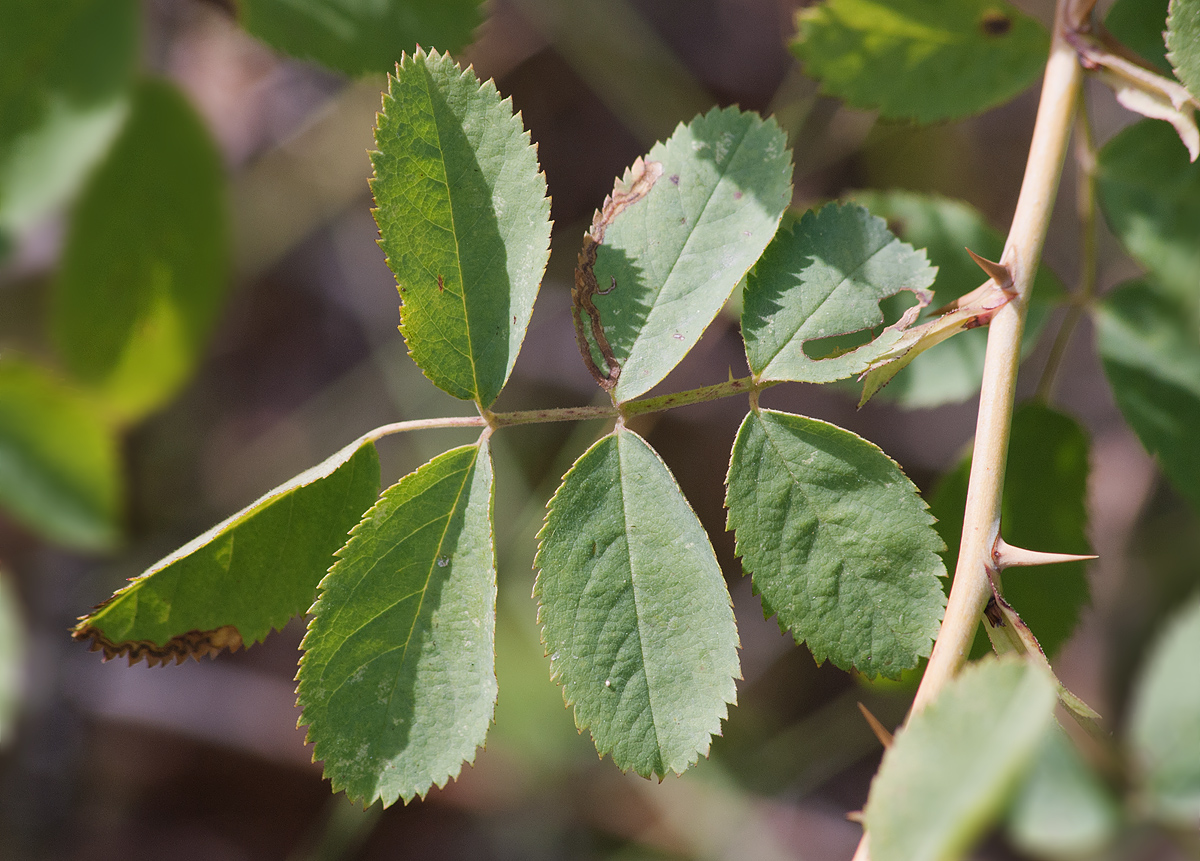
(951, 768)
(635, 614)
(822, 279)
(143, 273)
(1150, 196)
(838, 542)
(675, 255)
(397, 681)
(1045, 491)
(1164, 728)
(65, 73)
(59, 469)
(1151, 355)
(253, 572)
(927, 60)
(944, 228)
(1183, 42)
(360, 36)
(464, 221)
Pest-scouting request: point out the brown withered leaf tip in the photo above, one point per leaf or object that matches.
(635, 185)
(193, 644)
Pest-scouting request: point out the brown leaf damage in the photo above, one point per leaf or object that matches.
(635, 185)
(193, 644)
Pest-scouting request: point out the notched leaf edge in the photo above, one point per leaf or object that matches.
(194, 644)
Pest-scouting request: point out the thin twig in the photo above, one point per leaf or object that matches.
(1085, 293)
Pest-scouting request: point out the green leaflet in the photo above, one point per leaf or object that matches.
(1150, 349)
(12, 654)
(1150, 196)
(1164, 727)
(397, 681)
(676, 255)
(1138, 25)
(1045, 487)
(464, 221)
(944, 228)
(1062, 809)
(927, 60)
(143, 274)
(824, 278)
(360, 36)
(253, 572)
(952, 767)
(65, 72)
(59, 468)
(1183, 42)
(838, 541)
(634, 610)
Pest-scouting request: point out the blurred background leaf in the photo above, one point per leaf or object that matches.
(143, 270)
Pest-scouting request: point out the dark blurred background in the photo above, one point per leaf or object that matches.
(203, 761)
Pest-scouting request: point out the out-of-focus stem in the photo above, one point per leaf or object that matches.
(1085, 203)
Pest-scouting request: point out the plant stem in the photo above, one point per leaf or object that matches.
(487, 418)
(981, 523)
(424, 424)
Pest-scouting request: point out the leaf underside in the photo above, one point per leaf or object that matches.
(397, 681)
(952, 767)
(822, 279)
(244, 577)
(926, 60)
(464, 221)
(676, 255)
(838, 542)
(634, 610)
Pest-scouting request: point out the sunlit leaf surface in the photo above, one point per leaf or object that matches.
(926, 60)
(464, 222)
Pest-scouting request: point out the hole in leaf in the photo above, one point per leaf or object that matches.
(892, 307)
(995, 23)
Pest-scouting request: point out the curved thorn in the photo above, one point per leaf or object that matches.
(1007, 556)
(998, 272)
